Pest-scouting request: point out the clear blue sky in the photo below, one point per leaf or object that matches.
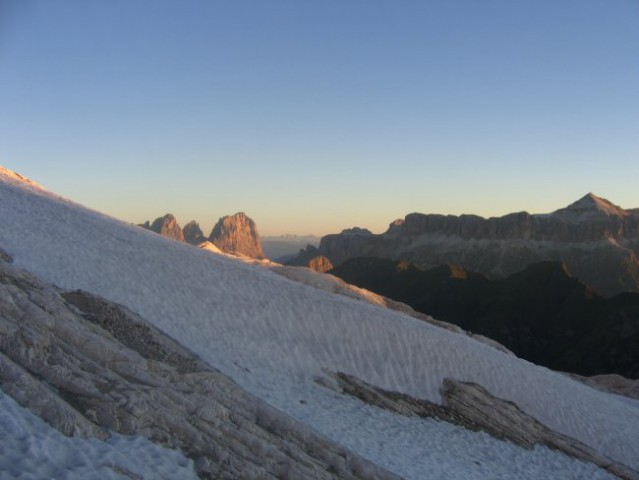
(313, 116)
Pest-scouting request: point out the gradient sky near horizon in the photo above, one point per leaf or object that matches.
(314, 116)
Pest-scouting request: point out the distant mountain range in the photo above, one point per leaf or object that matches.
(540, 313)
(597, 240)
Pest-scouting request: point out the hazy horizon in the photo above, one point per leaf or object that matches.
(313, 117)
(208, 226)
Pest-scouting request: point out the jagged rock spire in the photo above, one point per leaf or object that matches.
(237, 234)
(166, 226)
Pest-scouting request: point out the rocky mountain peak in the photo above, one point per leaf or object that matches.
(237, 234)
(591, 204)
(166, 226)
(193, 233)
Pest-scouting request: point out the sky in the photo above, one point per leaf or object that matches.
(315, 116)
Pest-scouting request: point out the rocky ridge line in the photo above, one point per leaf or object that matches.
(598, 241)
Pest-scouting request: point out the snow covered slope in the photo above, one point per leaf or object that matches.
(28, 444)
(275, 336)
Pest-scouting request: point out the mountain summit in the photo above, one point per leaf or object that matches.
(237, 234)
(591, 204)
(166, 226)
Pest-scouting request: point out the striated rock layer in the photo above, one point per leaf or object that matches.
(597, 240)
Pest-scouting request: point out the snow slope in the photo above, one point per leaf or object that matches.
(274, 336)
(32, 450)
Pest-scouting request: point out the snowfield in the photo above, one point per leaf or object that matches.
(274, 336)
(32, 450)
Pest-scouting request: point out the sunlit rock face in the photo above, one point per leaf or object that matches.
(597, 240)
(193, 233)
(310, 257)
(320, 264)
(166, 226)
(237, 234)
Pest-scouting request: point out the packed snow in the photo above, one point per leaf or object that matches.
(32, 450)
(275, 336)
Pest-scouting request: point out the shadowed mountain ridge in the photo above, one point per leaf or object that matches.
(597, 240)
(541, 313)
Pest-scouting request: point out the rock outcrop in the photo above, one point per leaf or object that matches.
(320, 264)
(88, 366)
(310, 257)
(237, 234)
(598, 241)
(473, 407)
(193, 233)
(166, 226)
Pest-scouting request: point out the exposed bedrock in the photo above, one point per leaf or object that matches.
(472, 407)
